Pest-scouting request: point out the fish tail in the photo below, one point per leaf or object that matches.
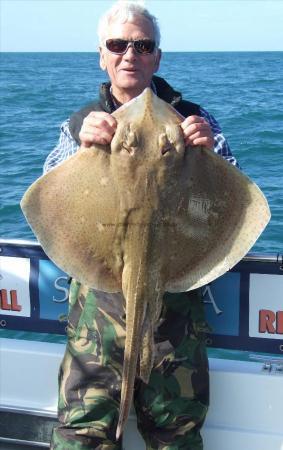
(147, 355)
(153, 314)
(136, 305)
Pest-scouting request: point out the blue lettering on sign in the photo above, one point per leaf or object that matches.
(222, 304)
(53, 291)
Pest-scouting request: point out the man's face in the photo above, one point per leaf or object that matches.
(132, 72)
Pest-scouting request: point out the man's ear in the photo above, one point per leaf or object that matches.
(157, 60)
(102, 61)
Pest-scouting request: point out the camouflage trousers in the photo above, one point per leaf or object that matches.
(170, 409)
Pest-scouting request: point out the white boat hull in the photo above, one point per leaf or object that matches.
(246, 373)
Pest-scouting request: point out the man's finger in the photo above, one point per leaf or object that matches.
(89, 138)
(197, 140)
(101, 117)
(192, 120)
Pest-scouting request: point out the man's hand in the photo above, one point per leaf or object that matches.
(97, 128)
(197, 131)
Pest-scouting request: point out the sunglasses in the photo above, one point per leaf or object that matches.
(120, 46)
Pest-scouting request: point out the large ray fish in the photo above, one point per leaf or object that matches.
(142, 216)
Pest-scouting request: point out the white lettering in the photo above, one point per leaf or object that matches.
(60, 288)
(211, 300)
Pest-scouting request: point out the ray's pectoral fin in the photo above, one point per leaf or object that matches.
(221, 215)
(76, 227)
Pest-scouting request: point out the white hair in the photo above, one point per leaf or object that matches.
(125, 11)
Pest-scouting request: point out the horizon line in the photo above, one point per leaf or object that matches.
(163, 51)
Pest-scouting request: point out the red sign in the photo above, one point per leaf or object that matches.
(11, 303)
(270, 322)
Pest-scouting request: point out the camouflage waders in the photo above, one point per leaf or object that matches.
(170, 409)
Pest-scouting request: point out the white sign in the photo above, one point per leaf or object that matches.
(14, 286)
(266, 306)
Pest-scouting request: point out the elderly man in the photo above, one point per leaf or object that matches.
(172, 407)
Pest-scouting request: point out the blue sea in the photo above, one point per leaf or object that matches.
(243, 90)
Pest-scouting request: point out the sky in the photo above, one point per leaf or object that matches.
(186, 25)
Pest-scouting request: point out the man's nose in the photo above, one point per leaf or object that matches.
(130, 53)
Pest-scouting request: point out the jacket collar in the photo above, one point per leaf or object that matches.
(162, 88)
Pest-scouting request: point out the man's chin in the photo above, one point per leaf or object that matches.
(134, 84)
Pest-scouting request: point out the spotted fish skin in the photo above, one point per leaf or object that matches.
(143, 210)
(143, 299)
(143, 216)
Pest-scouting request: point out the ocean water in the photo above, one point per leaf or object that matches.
(243, 90)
